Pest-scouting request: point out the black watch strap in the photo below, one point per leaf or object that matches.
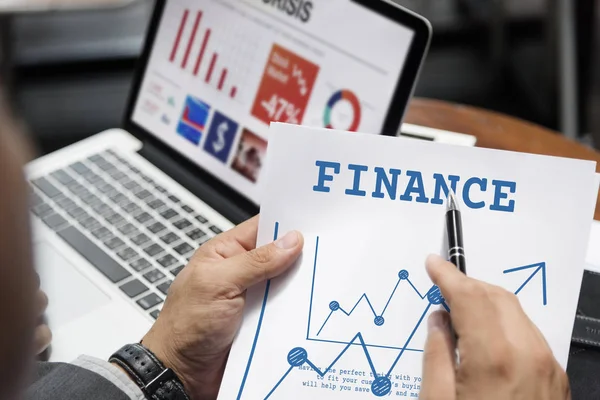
(156, 381)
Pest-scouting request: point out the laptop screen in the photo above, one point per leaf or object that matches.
(221, 70)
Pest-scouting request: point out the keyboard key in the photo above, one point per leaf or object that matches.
(101, 233)
(108, 188)
(131, 185)
(134, 288)
(43, 210)
(134, 170)
(153, 250)
(127, 229)
(167, 261)
(91, 199)
(130, 207)
(177, 270)
(35, 200)
(117, 175)
(154, 314)
(140, 239)
(154, 276)
(160, 189)
(114, 218)
(187, 209)
(143, 217)
(54, 221)
(80, 168)
(75, 187)
(182, 224)
(97, 159)
(113, 242)
(96, 256)
(149, 301)
(127, 254)
(156, 227)
(118, 197)
(169, 214)
(74, 212)
(170, 238)
(65, 203)
(183, 248)
(146, 178)
(164, 287)
(46, 187)
(90, 223)
(82, 217)
(156, 204)
(174, 199)
(62, 176)
(142, 194)
(91, 177)
(106, 166)
(101, 208)
(201, 219)
(196, 234)
(215, 229)
(140, 264)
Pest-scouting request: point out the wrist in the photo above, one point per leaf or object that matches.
(155, 380)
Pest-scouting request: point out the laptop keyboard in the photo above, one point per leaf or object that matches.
(129, 227)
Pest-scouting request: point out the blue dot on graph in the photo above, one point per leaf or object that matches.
(379, 320)
(297, 357)
(403, 275)
(334, 306)
(435, 295)
(381, 386)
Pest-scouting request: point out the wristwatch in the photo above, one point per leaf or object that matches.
(155, 380)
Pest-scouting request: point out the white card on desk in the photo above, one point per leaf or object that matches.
(348, 321)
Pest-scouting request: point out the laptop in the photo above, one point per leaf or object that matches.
(117, 216)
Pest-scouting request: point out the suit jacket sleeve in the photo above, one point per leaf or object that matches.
(86, 378)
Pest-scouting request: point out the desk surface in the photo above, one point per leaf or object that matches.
(21, 6)
(497, 131)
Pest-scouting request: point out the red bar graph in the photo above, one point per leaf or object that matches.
(192, 38)
(178, 51)
(179, 33)
(223, 77)
(211, 68)
(202, 50)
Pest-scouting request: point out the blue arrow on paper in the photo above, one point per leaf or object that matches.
(538, 267)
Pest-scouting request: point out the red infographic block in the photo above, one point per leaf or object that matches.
(285, 87)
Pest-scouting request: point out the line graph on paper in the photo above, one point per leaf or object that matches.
(366, 315)
(388, 319)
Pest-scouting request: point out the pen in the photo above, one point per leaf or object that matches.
(456, 251)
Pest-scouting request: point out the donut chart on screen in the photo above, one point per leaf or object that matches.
(354, 102)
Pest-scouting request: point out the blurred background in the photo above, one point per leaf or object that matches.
(70, 64)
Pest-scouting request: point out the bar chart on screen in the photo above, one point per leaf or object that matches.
(213, 54)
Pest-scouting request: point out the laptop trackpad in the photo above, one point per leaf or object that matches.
(71, 295)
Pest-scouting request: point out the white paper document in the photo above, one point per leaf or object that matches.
(349, 320)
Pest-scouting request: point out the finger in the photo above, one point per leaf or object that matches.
(42, 338)
(438, 360)
(236, 241)
(445, 275)
(264, 263)
(41, 302)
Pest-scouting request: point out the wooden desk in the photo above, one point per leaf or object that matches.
(497, 131)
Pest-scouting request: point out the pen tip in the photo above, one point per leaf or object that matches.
(452, 203)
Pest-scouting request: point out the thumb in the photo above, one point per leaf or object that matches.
(439, 360)
(264, 263)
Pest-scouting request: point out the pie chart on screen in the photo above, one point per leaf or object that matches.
(343, 111)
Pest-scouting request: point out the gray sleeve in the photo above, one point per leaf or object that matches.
(86, 378)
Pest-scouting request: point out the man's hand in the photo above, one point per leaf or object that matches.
(502, 353)
(204, 308)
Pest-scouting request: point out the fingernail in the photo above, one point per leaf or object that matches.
(437, 321)
(289, 241)
(434, 259)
